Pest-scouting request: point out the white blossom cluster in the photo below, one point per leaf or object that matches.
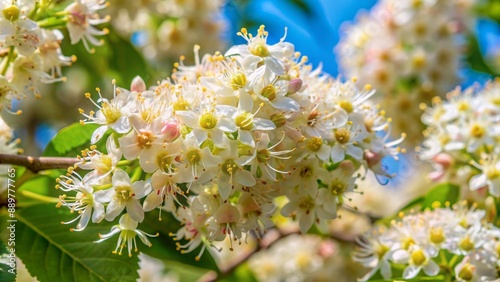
(462, 136)
(217, 143)
(296, 258)
(409, 50)
(164, 30)
(30, 43)
(455, 240)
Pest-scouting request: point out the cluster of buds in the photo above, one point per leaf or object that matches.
(30, 43)
(409, 50)
(219, 141)
(455, 241)
(462, 136)
(163, 30)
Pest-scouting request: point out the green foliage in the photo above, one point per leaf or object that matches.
(185, 272)
(475, 59)
(442, 193)
(490, 8)
(39, 184)
(116, 59)
(5, 274)
(52, 253)
(70, 140)
(242, 273)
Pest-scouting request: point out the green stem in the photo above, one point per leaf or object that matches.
(41, 198)
(33, 13)
(453, 261)
(53, 23)
(136, 175)
(9, 58)
(444, 261)
(124, 163)
(102, 187)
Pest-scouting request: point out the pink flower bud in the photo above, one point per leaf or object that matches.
(170, 130)
(327, 249)
(294, 85)
(347, 166)
(138, 85)
(444, 160)
(372, 159)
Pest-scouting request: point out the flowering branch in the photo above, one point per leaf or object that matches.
(37, 164)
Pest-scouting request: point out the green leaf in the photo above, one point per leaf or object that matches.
(41, 185)
(70, 140)
(475, 59)
(7, 269)
(242, 273)
(185, 272)
(164, 247)
(52, 253)
(442, 193)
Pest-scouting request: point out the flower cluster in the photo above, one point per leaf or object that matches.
(462, 136)
(30, 42)
(164, 30)
(454, 240)
(409, 50)
(217, 143)
(297, 258)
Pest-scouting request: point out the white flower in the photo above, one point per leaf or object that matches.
(490, 177)
(111, 114)
(50, 51)
(258, 50)
(374, 252)
(230, 174)
(305, 175)
(124, 194)
(272, 92)
(83, 203)
(208, 121)
(101, 164)
(246, 121)
(226, 223)
(348, 139)
(165, 189)
(307, 210)
(23, 33)
(417, 259)
(127, 228)
(27, 72)
(265, 158)
(82, 15)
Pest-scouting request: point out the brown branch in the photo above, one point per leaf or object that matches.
(36, 164)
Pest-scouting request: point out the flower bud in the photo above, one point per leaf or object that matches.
(138, 84)
(294, 85)
(171, 131)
